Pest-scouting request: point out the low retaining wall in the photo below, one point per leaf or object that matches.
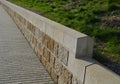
(65, 53)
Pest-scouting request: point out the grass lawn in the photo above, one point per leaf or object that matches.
(97, 18)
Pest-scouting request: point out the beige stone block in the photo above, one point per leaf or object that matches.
(38, 34)
(65, 78)
(48, 67)
(45, 40)
(66, 75)
(50, 44)
(35, 42)
(46, 54)
(43, 60)
(52, 60)
(56, 46)
(40, 48)
(54, 76)
(40, 56)
(96, 74)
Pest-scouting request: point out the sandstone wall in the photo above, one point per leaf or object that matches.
(65, 53)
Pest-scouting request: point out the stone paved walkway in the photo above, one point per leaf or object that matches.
(18, 62)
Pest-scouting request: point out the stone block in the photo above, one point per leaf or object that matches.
(56, 46)
(36, 50)
(52, 61)
(40, 56)
(63, 80)
(65, 57)
(38, 34)
(43, 60)
(35, 42)
(97, 74)
(51, 45)
(48, 67)
(58, 67)
(46, 54)
(45, 40)
(60, 52)
(66, 75)
(63, 54)
(33, 29)
(40, 48)
(54, 76)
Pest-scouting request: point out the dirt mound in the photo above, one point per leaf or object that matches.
(112, 22)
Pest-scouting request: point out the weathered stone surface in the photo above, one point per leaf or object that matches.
(38, 34)
(60, 52)
(34, 41)
(52, 61)
(54, 76)
(58, 67)
(52, 45)
(40, 56)
(40, 48)
(43, 61)
(45, 40)
(65, 77)
(65, 57)
(56, 46)
(63, 54)
(25, 23)
(46, 54)
(48, 67)
(31, 27)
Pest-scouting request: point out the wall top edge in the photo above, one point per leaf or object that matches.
(59, 26)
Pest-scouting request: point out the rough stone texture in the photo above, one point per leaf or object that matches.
(52, 60)
(40, 48)
(54, 76)
(38, 34)
(48, 67)
(58, 67)
(18, 62)
(65, 77)
(56, 46)
(63, 54)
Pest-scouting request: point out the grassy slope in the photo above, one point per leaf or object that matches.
(86, 16)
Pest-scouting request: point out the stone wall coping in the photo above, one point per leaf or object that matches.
(25, 13)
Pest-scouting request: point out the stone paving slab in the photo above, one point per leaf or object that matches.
(18, 62)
